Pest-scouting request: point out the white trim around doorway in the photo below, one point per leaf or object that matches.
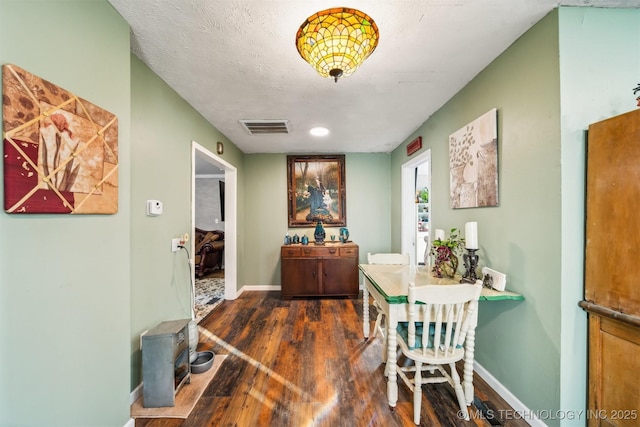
(231, 217)
(407, 201)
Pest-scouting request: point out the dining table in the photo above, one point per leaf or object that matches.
(388, 285)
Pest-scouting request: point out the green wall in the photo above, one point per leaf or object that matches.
(368, 190)
(574, 67)
(163, 127)
(523, 231)
(65, 280)
(76, 292)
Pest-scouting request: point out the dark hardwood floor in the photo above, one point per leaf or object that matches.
(305, 363)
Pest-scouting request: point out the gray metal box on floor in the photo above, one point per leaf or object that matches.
(165, 363)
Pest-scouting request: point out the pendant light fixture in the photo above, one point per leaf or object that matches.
(336, 41)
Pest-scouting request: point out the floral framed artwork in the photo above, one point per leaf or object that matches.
(60, 151)
(316, 190)
(473, 163)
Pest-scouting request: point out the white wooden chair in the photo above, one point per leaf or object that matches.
(440, 318)
(384, 258)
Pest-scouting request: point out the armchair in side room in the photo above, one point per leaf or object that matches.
(209, 250)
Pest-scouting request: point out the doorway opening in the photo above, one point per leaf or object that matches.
(203, 158)
(416, 212)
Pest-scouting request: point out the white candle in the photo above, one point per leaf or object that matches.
(439, 234)
(471, 235)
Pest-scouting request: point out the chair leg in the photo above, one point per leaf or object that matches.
(417, 393)
(459, 392)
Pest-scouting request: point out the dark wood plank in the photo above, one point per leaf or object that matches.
(304, 362)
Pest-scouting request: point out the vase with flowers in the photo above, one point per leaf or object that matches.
(445, 254)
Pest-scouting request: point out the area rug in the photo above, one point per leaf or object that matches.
(209, 294)
(186, 398)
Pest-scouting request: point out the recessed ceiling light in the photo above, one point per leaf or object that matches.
(319, 131)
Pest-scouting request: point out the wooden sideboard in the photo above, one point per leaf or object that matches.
(319, 270)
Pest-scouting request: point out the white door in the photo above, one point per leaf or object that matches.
(416, 174)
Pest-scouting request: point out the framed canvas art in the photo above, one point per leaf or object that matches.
(60, 151)
(473, 163)
(316, 190)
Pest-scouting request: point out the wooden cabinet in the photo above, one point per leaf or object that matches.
(614, 392)
(611, 294)
(327, 270)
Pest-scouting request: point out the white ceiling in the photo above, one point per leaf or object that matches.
(234, 60)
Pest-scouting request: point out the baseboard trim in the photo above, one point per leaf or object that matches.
(259, 288)
(527, 414)
(135, 394)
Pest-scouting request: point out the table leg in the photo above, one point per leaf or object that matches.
(385, 343)
(468, 365)
(365, 310)
(391, 368)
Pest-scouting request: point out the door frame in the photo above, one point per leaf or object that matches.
(230, 217)
(408, 204)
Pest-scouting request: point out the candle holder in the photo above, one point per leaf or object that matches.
(470, 264)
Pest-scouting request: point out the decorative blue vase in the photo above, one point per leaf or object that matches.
(287, 239)
(319, 233)
(305, 240)
(344, 234)
(296, 239)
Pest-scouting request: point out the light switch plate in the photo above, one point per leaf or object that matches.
(499, 279)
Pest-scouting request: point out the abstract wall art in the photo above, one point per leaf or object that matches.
(473, 163)
(60, 151)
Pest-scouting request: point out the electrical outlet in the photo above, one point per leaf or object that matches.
(177, 242)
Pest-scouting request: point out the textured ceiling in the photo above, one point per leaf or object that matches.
(235, 60)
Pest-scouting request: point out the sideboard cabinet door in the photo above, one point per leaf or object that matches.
(340, 275)
(299, 277)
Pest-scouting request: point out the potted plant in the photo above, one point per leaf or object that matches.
(423, 195)
(445, 254)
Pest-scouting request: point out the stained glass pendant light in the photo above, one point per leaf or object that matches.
(336, 41)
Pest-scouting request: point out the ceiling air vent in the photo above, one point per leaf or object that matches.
(263, 127)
